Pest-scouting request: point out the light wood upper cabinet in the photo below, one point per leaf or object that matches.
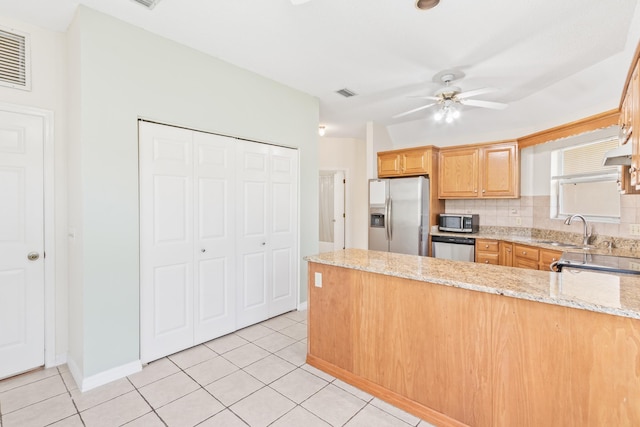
(488, 170)
(500, 171)
(409, 162)
(458, 173)
(389, 164)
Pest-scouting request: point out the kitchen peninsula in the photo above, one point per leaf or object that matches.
(480, 345)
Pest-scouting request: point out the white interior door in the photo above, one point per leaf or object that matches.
(253, 215)
(167, 240)
(21, 234)
(214, 252)
(338, 211)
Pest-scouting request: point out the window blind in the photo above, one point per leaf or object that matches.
(587, 158)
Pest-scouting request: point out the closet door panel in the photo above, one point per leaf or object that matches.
(214, 250)
(283, 230)
(166, 240)
(253, 216)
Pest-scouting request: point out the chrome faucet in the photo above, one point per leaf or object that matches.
(587, 235)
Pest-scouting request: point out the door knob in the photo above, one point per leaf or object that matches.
(264, 243)
(203, 250)
(33, 256)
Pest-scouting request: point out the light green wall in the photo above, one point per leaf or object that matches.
(128, 73)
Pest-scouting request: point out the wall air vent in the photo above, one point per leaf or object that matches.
(15, 63)
(149, 4)
(346, 93)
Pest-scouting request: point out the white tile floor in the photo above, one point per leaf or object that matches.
(254, 377)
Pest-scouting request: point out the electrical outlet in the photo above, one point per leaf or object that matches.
(634, 229)
(518, 221)
(318, 280)
(634, 266)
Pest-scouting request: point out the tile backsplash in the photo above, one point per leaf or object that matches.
(533, 212)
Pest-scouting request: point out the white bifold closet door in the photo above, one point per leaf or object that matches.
(267, 193)
(208, 237)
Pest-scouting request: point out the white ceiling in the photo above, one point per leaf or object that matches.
(553, 61)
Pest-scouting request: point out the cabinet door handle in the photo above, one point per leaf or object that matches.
(524, 253)
(486, 246)
(486, 262)
(484, 191)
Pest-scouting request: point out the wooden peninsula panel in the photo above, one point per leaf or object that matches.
(418, 350)
(457, 357)
(563, 367)
(331, 320)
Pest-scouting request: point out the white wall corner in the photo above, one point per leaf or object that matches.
(88, 383)
(302, 306)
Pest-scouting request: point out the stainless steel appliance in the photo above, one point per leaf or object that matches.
(459, 223)
(399, 215)
(597, 262)
(456, 248)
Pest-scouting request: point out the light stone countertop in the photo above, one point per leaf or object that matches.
(615, 294)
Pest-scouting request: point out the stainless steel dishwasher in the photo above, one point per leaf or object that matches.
(454, 248)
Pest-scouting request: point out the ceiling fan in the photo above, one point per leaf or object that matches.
(448, 97)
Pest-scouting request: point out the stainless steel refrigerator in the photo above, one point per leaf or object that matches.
(399, 215)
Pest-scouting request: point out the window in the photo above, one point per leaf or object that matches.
(580, 184)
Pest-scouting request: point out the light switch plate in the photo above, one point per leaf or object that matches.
(634, 229)
(318, 280)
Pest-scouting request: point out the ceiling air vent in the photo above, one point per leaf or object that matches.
(346, 93)
(149, 4)
(15, 64)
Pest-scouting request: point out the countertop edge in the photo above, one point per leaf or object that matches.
(530, 296)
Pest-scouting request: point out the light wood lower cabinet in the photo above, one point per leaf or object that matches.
(506, 254)
(525, 256)
(456, 357)
(487, 251)
(498, 252)
(548, 257)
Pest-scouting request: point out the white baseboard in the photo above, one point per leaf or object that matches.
(86, 384)
(302, 306)
(60, 359)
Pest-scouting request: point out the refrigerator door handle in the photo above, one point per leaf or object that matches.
(386, 218)
(390, 219)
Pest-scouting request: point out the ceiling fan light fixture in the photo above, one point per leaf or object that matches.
(426, 4)
(322, 130)
(448, 113)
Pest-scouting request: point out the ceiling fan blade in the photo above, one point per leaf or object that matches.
(413, 111)
(433, 98)
(484, 104)
(475, 92)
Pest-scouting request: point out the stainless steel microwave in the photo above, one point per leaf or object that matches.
(459, 223)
